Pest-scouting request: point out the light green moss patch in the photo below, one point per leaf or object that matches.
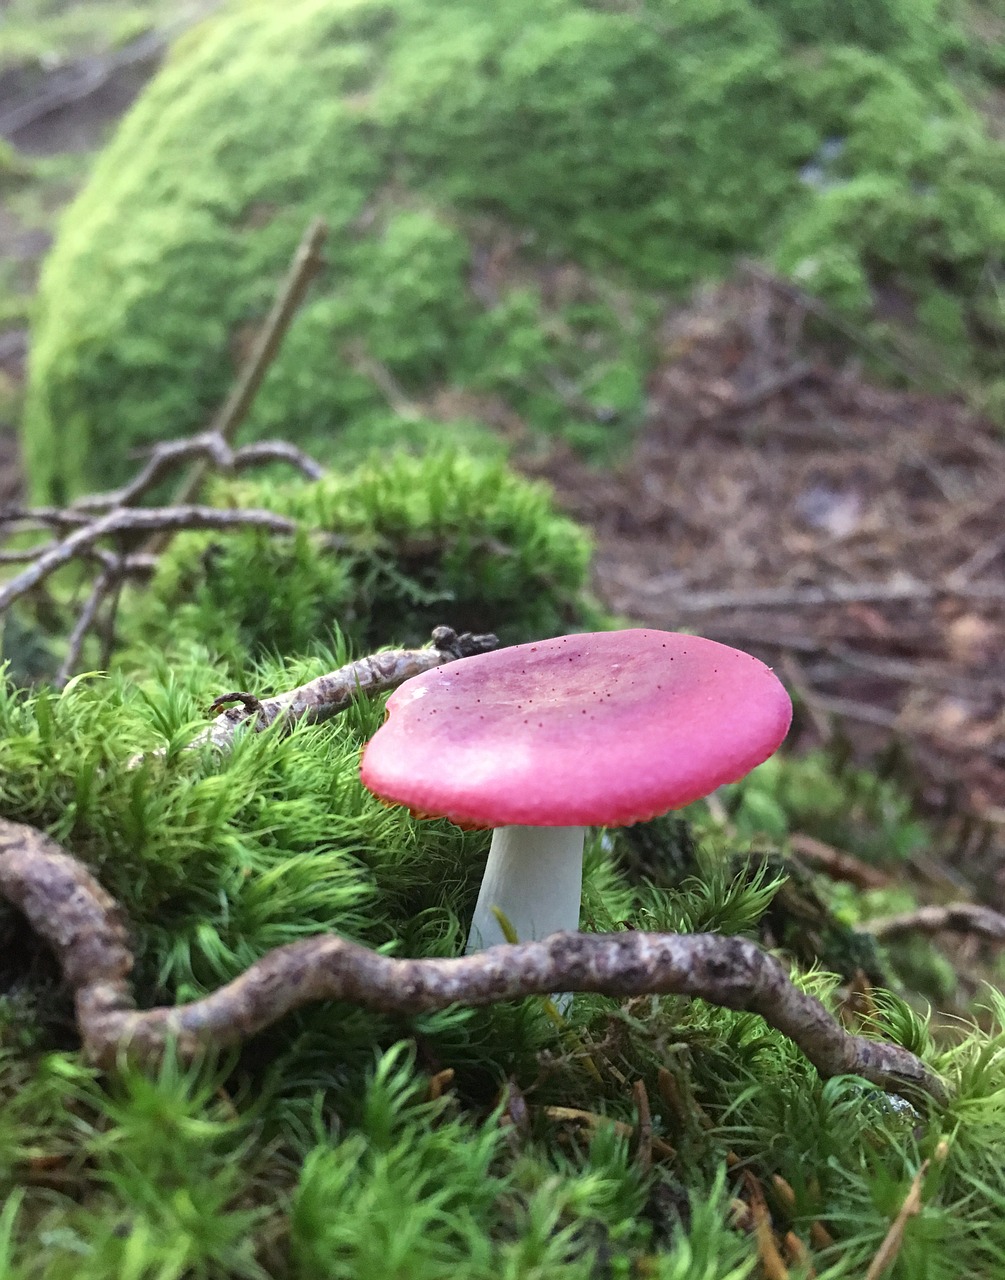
(394, 547)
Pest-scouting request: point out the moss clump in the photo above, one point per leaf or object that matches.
(509, 190)
(394, 547)
(323, 1148)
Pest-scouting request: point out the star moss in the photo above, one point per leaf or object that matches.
(333, 1144)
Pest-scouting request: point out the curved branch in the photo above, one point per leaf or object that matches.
(132, 520)
(67, 907)
(961, 917)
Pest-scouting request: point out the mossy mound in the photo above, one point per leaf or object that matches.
(336, 1144)
(394, 547)
(510, 192)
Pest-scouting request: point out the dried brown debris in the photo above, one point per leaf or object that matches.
(850, 534)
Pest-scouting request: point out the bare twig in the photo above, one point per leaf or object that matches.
(127, 520)
(26, 555)
(307, 261)
(263, 451)
(770, 385)
(959, 917)
(837, 863)
(69, 909)
(327, 695)
(88, 522)
(866, 713)
(105, 582)
(925, 675)
(901, 361)
(209, 447)
(96, 517)
(644, 1139)
(984, 556)
(43, 517)
(83, 78)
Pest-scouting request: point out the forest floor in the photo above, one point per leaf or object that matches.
(849, 533)
(776, 497)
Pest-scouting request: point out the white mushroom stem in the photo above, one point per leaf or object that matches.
(534, 877)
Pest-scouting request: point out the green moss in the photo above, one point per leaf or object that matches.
(823, 796)
(392, 548)
(878, 25)
(318, 1149)
(509, 191)
(908, 208)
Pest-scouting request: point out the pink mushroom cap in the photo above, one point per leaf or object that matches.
(599, 729)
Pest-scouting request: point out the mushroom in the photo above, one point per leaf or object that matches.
(541, 741)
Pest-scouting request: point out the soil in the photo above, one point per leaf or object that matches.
(775, 498)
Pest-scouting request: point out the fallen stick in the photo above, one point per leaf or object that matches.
(327, 695)
(307, 262)
(69, 909)
(837, 863)
(208, 447)
(959, 917)
(129, 520)
(898, 588)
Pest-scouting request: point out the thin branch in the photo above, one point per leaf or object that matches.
(837, 863)
(83, 78)
(925, 675)
(737, 402)
(208, 446)
(959, 917)
(98, 516)
(307, 262)
(263, 451)
(104, 583)
(44, 517)
(25, 556)
(886, 1254)
(866, 713)
(127, 520)
(327, 695)
(111, 616)
(901, 361)
(984, 556)
(68, 908)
